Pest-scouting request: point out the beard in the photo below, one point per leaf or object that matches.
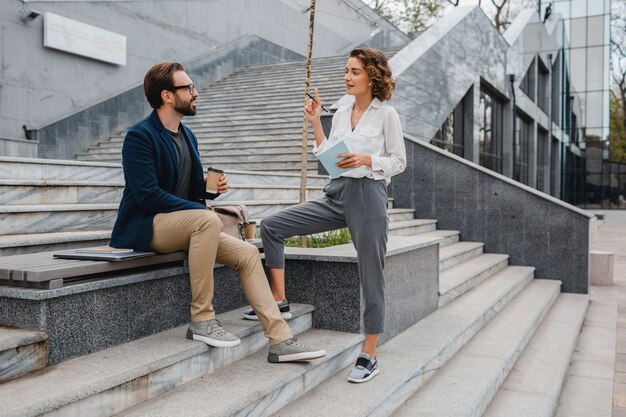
(185, 108)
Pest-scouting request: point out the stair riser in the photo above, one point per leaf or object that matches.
(471, 283)
(45, 222)
(404, 392)
(291, 91)
(49, 172)
(142, 388)
(292, 167)
(457, 259)
(256, 159)
(481, 404)
(21, 360)
(15, 195)
(401, 217)
(52, 247)
(413, 230)
(243, 194)
(294, 389)
(241, 179)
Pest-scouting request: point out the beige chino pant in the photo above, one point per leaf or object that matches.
(197, 232)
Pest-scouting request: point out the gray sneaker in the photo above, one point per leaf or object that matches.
(364, 369)
(291, 350)
(212, 333)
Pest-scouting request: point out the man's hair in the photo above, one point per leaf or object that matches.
(377, 67)
(157, 79)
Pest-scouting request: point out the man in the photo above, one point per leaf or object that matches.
(163, 209)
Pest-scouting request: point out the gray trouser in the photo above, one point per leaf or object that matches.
(361, 205)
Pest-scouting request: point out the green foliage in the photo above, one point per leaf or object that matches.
(322, 240)
(409, 15)
(618, 131)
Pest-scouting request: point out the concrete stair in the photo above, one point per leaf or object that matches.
(247, 112)
(410, 359)
(112, 380)
(21, 351)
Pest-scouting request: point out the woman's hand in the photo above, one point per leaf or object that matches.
(354, 160)
(313, 110)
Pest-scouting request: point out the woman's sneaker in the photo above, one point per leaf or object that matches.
(291, 350)
(283, 307)
(212, 333)
(364, 369)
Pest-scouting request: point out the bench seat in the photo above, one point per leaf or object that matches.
(42, 270)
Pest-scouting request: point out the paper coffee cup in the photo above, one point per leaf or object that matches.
(249, 230)
(213, 176)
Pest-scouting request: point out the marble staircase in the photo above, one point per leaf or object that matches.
(251, 120)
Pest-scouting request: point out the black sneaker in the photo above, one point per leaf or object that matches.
(283, 307)
(364, 369)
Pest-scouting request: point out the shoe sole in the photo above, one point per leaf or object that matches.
(213, 342)
(303, 356)
(370, 376)
(285, 316)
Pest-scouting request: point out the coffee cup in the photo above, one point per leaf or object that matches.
(249, 230)
(213, 176)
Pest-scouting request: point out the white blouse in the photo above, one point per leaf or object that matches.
(378, 133)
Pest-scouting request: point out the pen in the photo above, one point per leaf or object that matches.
(313, 98)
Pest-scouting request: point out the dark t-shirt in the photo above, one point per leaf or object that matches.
(184, 162)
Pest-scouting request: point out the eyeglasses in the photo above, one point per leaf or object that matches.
(190, 87)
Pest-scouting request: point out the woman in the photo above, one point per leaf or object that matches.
(357, 198)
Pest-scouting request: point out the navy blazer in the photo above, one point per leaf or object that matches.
(151, 172)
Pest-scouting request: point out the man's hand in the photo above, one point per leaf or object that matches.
(222, 186)
(354, 160)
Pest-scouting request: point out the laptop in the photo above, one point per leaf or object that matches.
(101, 253)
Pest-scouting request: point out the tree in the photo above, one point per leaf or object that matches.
(618, 87)
(409, 16)
(419, 14)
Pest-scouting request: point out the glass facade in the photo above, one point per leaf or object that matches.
(490, 130)
(542, 153)
(521, 143)
(450, 136)
(527, 85)
(542, 86)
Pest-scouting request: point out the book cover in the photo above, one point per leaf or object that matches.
(328, 158)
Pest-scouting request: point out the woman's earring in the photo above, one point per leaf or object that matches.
(370, 83)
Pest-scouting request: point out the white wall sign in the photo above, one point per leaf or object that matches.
(82, 39)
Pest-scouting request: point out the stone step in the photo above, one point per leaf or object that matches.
(465, 385)
(21, 351)
(456, 253)
(290, 90)
(19, 244)
(216, 158)
(267, 192)
(448, 236)
(56, 217)
(459, 279)
(412, 227)
(257, 208)
(20, 192)
(241, 178)
(58, 170)
(291, 166)
(533, 386)
(112, 380)
(294, 73)
(254, 387)
(409, 360)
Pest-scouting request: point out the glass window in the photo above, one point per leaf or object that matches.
(527, 85)
(556, 90)
(542, 87)
(490, 125)
(520, 148)
(554, 167)
(542, 152)
(450, 136)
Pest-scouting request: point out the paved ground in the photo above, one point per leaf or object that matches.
(612, 237)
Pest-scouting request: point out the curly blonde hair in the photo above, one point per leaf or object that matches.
(375, 63)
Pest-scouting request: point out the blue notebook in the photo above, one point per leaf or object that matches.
(328, 158)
